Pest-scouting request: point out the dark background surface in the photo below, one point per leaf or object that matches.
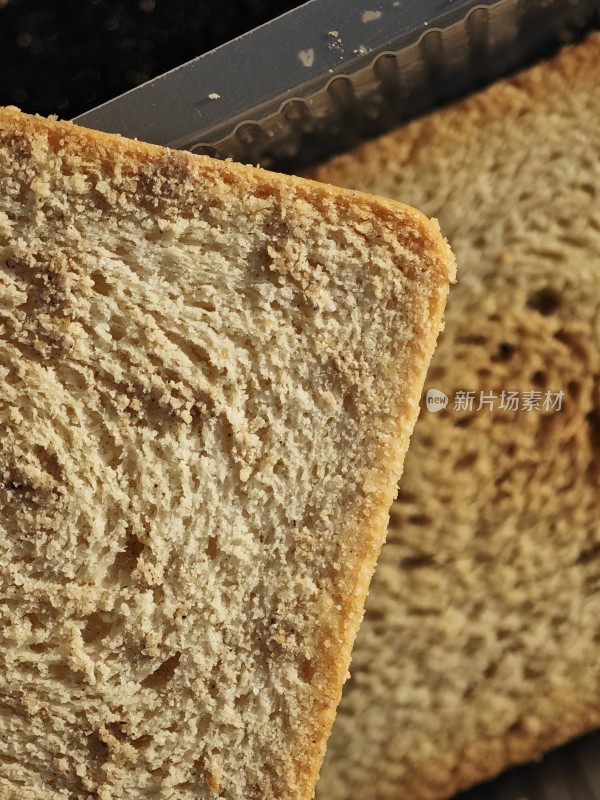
(67, 56)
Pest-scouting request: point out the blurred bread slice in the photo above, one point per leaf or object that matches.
(210, 375)
(481, 639)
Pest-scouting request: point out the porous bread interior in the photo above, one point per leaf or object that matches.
(208, 379)
(479, 647)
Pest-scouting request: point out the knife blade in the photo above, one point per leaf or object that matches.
(332, 72)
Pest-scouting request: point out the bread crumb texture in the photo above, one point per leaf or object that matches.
(481, 642)
(209, 375)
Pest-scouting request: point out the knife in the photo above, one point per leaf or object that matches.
(333, 72)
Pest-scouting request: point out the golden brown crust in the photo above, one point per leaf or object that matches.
(362, 549)
(169, 169)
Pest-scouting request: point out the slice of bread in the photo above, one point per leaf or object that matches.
(210, 374)
(481, 643)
